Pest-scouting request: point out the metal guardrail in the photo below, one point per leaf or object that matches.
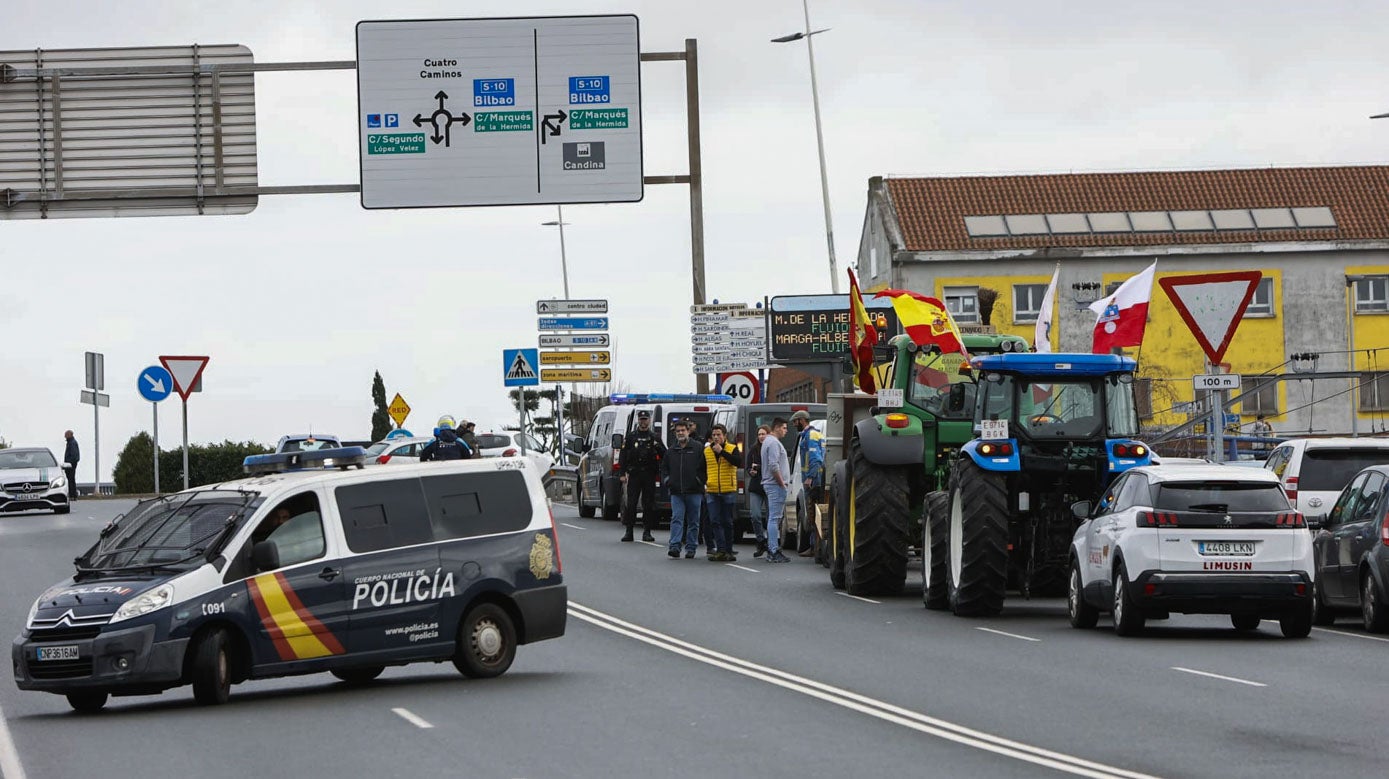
(562, 483)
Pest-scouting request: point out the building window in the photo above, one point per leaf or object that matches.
(799, 393)
(1027, 302)
(1374, 392)
(1260, 395)
(1372, 294)
(963, 304)
(1112, 287)
(1262, 302)
(1143, 397)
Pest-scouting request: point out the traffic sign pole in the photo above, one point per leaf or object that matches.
(185, 443)
(155, 408)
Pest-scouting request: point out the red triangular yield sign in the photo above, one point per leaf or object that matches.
(1212, 305)
(185, 370)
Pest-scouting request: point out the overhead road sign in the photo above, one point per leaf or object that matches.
(576, 374)
(1216, 381)
(127, 132)
(575, 358)
(398, 410)
(155, 384)
(815, 328)
(519, 111)
(572, 323)
(519, 367)
(581, 341)
(710, 308)
(549, 307)
(186, 371)
(1212, 305)
(733, 366)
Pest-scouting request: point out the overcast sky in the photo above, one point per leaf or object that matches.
(300, 301)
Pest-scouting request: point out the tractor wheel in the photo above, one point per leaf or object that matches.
(839, 512)
(977, 552)
(875, 558)
(934, 548)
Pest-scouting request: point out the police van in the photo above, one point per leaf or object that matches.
(311, 564)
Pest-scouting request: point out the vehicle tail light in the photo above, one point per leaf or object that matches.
(701, 408)
(1290, 487)
(1150, 589)
(509, 453)
(554, 533)
(1001, 450)
(897, 421)
(1384, 532)
(1290, 519)
(1130, 450)
(383, 459)
(1157, 519)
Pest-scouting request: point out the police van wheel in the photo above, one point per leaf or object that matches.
(87, 702)
(358, 675)
(486, 642)
(212, 670)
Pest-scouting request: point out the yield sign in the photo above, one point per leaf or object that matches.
(185, 370)
(1212, 305)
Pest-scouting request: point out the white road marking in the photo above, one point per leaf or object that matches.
(1352, 635)
(653, 543)
(10, 767)
(576, 527)
(1218, 676)
(412, 718)
(865, 600)
(853, 701)
(1010, 635)
(742, 568)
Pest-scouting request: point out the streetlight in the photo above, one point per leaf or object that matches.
(819, 135)
(563, 260)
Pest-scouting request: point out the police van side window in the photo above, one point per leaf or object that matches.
(295, 524)
(464, 505)
(383, 514)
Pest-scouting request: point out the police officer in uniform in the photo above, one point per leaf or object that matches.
(639, 463)
(446, 444)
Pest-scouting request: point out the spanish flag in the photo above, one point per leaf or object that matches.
(926, 321)
(862, 337)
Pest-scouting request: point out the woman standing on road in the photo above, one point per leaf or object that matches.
(757, 497)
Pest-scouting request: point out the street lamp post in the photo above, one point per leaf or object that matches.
(559, 388)
(819, 136)
(563, 260)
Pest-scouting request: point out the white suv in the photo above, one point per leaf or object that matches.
(1315, 470)
(1194, 540)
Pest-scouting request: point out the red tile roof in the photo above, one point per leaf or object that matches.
(932, 211)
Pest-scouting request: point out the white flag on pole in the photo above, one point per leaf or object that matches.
(1041, 340)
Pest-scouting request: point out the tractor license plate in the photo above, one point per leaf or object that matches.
(58, 652)
(1237, 548)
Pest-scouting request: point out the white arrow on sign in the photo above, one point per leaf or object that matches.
(156, 384)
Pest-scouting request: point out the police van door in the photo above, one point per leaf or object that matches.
(394, 582)
(301, 604)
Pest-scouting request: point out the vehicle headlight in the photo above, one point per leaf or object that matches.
(34, 610)
(145, 602)
(58, 483)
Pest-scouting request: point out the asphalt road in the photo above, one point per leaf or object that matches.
(691, 668)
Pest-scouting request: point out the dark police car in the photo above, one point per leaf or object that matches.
(312, 564)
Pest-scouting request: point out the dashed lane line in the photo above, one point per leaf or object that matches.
(576, 527)
(865, 600)
(412, 718)
(742, 568)
(1009, 635)
(1218, 676)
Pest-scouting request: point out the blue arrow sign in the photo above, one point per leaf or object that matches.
(155, 383)
(573, 323)
(519, 367)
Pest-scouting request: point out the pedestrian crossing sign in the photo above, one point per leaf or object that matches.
(518, 367)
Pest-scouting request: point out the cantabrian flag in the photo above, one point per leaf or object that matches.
(1122, 316)
(862, 337)
(926, 321)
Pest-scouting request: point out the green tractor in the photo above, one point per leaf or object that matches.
(883, 462)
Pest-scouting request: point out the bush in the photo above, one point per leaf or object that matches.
(207, 464)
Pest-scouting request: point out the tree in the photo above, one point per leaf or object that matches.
(207, 464)
(380, 417)
(987, 298)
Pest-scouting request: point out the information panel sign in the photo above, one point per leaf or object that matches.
(815, 328)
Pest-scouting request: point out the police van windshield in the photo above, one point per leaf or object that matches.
(169, 532)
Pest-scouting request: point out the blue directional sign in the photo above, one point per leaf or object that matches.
(494, 91)
(587, 90)
(519, 367)
(155, 383)
(573, 323)
(399, 433)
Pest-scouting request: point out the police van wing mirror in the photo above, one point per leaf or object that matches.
(617, 440)
(265, 556)
(1081, 509)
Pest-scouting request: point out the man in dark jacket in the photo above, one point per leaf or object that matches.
(639, 465)
(70, 458)
(469, 437)
(685, 472)
(446, 444)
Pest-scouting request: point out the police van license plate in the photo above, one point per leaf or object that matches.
(1244, 548)
(58, 652)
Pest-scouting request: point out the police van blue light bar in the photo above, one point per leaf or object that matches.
(618, 399)
(342, 457)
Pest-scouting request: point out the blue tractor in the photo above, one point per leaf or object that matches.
(1050, 430)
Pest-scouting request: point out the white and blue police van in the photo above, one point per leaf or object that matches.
(310, 564)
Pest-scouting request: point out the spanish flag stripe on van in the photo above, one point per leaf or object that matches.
(283, 616)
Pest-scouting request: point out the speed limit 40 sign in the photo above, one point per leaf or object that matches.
(743, 387)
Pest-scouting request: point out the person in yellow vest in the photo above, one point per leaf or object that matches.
(721, 460)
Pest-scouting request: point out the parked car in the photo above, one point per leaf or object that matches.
(307, 442)
(1351, 549)
(32, 480)
(1315, 470)
(510, 443)
(1194, 540)
(396, 450)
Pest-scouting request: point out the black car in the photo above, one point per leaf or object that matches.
(1351, 550)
